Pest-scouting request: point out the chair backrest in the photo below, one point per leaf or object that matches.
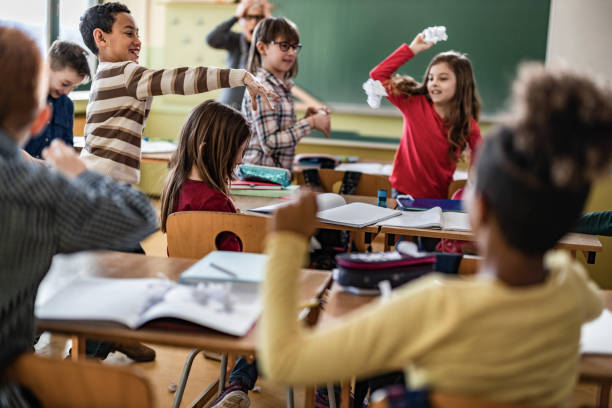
(368, 185)
(469, 264)
(192, 234)
(67, 384)
(445, 400)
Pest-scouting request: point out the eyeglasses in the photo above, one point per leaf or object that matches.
(255, 17)
(284, 46)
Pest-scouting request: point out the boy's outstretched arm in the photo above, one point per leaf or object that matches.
(142, 82)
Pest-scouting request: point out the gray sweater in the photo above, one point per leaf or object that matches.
(222, 37)
(43, 213)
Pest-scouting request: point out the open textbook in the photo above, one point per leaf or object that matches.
(229, 308)
(432, 218)
(333, 209)
(595, 336)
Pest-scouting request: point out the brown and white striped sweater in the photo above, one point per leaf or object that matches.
(119, 103)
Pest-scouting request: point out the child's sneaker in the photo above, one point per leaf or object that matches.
(234, 396)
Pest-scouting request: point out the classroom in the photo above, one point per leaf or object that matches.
(277, 203)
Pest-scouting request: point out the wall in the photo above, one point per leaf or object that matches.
(580, 36)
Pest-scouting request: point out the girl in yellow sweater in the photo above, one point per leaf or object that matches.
(512, 332)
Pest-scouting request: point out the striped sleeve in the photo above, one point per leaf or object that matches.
(142, 82)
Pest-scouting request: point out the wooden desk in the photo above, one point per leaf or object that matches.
(122, 265)
(596, 369)
(575, 242)
(245, 203)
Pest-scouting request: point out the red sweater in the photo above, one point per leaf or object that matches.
(199, 196)
(421, 167)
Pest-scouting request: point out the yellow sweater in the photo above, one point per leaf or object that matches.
(469, 335)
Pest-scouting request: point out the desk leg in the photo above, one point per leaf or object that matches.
(389, 241)
(309, 397)
(331, 395)
(78, 348)
(223, 373)
(345, 395)
(603, 398)
(590, 256)
(290, 397)
(367, 238)
(178, 395)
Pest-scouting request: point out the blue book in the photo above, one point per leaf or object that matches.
(420, 204)
(226, 266)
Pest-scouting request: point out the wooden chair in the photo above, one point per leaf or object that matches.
(368, 185)
(456, 185)
(192, 234)
(69, 384)
(446, 400)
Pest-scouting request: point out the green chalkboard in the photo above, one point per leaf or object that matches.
(344, 39)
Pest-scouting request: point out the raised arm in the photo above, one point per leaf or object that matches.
(142, 82)
(270, 136)
(93, 210)
(381, 335)
(222, 36)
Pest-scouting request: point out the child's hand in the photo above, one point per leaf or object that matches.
(64, 158)
(419, 44)
(320, 121)
(298, 217)
(312, 110)
(256, 88)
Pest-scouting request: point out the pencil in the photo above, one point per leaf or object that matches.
(222, 269)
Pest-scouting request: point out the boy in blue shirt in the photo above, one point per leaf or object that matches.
(69, 68)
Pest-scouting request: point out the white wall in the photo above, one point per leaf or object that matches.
(580, 36)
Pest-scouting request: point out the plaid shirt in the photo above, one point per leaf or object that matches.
(44, 213)
(275, 133)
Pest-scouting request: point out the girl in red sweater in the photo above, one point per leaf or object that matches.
(440, 118)
(211, 145)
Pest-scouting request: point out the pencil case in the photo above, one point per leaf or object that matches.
(367, 270)
(265, 174)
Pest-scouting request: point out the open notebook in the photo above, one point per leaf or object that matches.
(432, 218)
(596, 335)
(230, 308)
(333, 209)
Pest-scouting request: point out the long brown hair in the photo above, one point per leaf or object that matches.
(464, 106)
(210, 141)
(268, 30)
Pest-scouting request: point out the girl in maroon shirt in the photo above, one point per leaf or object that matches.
(211, 145)
(440, 118)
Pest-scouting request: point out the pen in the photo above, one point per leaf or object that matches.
(222, 269)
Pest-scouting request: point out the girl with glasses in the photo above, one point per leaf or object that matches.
(276, 132)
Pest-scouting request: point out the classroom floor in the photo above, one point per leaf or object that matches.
(165, 371)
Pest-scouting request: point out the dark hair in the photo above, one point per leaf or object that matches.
(210, 141)
(64, 54)
(268, 30)
(464, 106)
(101, 16)
(535, 173)
(21, 70)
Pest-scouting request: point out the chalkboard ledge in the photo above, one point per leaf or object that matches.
(351, 143)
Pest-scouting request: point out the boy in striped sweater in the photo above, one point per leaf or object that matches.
(122, 91)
